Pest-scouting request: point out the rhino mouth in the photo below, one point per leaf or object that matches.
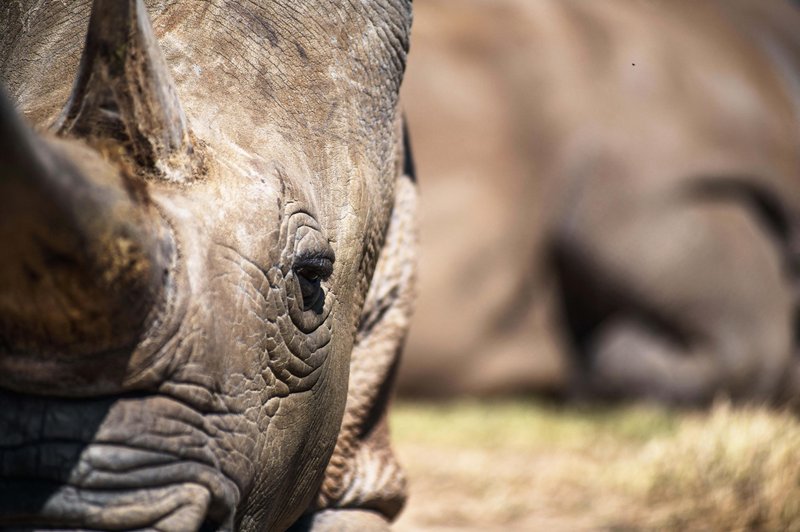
(109, 464)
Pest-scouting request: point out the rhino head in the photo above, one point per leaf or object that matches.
(189, 231)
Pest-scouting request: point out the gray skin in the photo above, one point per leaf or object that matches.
(207, 224)
(615, 213)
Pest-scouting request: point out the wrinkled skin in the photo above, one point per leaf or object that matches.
(615, 211)
(281, 270)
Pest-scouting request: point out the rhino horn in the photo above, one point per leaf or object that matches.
(124, 97)
(85, 254)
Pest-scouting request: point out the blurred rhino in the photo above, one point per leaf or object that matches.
(611, 201)
(204, 237)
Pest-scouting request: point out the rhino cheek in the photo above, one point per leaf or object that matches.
(306, 425)
(287, 384)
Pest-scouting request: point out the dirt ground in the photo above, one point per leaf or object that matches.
(531, 466)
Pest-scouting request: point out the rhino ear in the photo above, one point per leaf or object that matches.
(124, 96)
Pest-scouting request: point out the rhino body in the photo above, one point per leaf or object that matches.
(206, 217)
(611, 199)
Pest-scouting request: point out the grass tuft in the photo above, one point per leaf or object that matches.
(527, 465)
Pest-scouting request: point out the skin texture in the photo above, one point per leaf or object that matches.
(212, 250)
(612, 199)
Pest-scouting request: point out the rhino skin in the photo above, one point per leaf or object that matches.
(207, 224)
(611, 202)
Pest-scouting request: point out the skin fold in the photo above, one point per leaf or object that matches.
(208, 213)
(611, 199)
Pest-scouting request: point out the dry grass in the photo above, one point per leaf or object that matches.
(528, 466)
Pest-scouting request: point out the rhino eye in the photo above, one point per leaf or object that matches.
(310, 273)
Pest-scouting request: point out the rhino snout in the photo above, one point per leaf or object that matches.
(134, 463)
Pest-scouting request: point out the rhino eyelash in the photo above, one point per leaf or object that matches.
(314, 268)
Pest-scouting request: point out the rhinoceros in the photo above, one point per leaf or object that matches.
(207, 229)
(612, 198)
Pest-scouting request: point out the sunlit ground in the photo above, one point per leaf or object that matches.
(532, 466)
